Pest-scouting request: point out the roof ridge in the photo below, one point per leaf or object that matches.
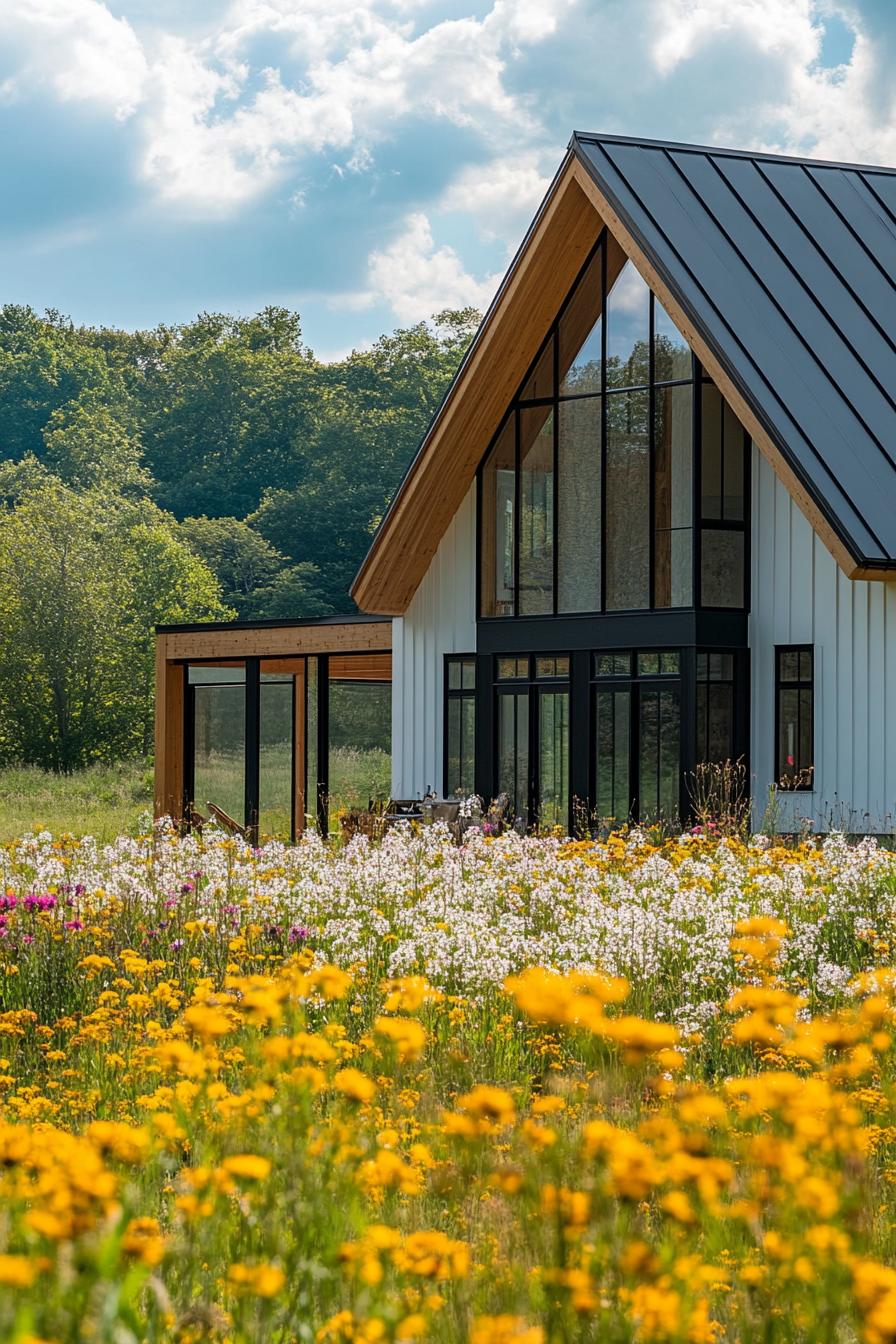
(724, 151)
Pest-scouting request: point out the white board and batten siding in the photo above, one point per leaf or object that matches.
(441, 619)
(799, 595)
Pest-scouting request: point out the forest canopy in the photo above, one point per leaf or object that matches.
(191, 472)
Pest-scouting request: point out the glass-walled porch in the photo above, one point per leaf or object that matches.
(272, 743)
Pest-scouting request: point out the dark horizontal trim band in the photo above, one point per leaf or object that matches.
(613, 630)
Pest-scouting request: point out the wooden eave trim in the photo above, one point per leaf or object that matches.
(279, 642)
(382, 586)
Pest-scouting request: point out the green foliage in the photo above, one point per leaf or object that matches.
(84, 577)
(278, 468)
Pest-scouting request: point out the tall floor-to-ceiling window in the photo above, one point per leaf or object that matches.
(618, 480)
(617, 487)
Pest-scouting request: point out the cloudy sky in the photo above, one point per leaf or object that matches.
(371, 161)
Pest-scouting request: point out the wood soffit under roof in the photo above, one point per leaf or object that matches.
(719, 238)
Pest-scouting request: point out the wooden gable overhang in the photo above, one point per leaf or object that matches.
(836, 465)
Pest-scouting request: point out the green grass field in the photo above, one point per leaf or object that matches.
(110, 800)
(103, 800)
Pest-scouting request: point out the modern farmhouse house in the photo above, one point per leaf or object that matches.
(652, 524)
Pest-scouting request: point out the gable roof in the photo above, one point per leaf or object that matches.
(779, 271)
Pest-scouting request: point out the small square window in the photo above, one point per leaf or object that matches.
(461, 674)
(648, 664)
(715, 667)
(790, 665)
(669, 664)
(513, 669)
(612, 664)
(551, 667)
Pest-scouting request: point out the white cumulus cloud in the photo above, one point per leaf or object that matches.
(78, 48)
(416, 278)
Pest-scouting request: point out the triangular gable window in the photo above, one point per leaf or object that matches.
(589, 497)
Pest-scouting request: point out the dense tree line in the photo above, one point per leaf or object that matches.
(211, 470)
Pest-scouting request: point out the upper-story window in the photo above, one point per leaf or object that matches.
(589, 494)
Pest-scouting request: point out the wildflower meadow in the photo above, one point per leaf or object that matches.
(515, 1091)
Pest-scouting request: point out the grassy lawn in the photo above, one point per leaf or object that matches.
(110, 800)
(103, 800)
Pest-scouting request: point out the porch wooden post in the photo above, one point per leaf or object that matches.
(169, 734)
(300, 752)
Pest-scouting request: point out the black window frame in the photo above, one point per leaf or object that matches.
(634, 682)
(802, 686)
(696, 382)
(462, 692)
(705, 524)
(531, 685)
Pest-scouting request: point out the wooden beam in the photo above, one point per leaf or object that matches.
(506, 344)
(299, 749)
(729, 390)
(361, 667)
(169, 733)
(280, 641)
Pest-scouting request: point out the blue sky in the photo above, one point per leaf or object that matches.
(371, 161)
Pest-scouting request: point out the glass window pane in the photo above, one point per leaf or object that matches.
(553, 758)
(360, 743)
(275, 759)
(628, 330)
(453, 746)
(536, 512)
(219, 748)
(580, 333)
(721, 568)
(669, 663)
(658, 756)
(511, 668)
(578, 505)
(513, 751)
(673, 490)
(612, 664)
(467, 781)
(733, 467)
(671, 352)
(648, 664)
(206, 675)
(611, 762)
(711, 452)
(541, 380)
(720, 722)
(788, 736)
(721, 667)
(788, 665)
(468, 674)
(805, 738)
(460, 746)
(454, 675)
(497, 539)
(552, 667)
(805, 664)
(628, 502)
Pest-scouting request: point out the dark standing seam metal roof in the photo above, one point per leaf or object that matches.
(786, 267)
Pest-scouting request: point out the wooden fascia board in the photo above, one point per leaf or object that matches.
(508, 340)
(279, 641)
(848, 562)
